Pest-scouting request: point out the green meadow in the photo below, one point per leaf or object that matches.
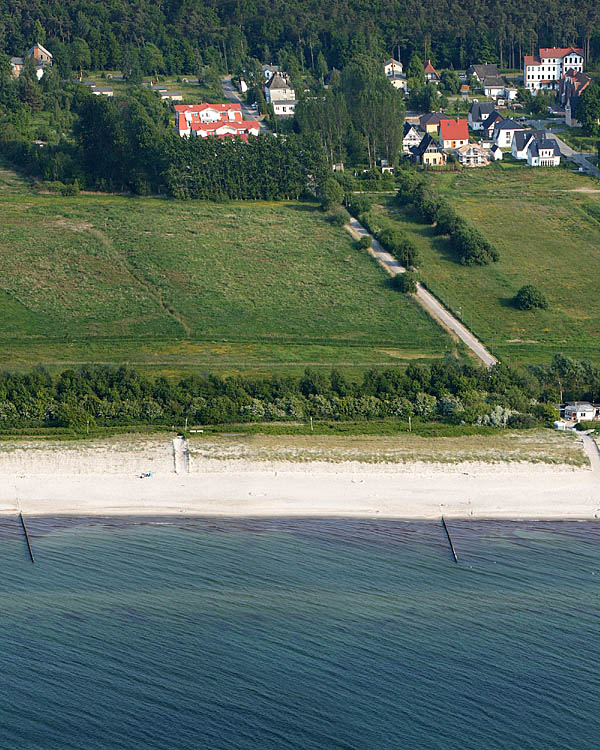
(546, 226)
(170, 287)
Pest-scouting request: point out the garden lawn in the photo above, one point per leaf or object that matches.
(171, 286)
(546, 226)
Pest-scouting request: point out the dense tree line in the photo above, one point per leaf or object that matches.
(179, 36)
(447, 391)
(468, 243)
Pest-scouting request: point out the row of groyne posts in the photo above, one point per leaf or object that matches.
(32, 558)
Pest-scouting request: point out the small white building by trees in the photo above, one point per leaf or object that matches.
(580, 411)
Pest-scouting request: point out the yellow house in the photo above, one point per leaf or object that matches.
(430, 123)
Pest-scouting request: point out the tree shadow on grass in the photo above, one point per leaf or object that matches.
(303, 207)
(507, 302)
(441, 245)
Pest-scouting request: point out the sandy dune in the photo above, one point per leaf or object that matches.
(97, 478)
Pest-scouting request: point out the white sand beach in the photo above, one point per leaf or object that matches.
(103, 478)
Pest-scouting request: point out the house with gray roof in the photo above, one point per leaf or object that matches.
(411, 137)
(481, 72)
(493, 86)
(429, 153)
(16, 65)
(522, 140)
(269, 71)
(478, 113)
(490, 122)
(543, 153)
(504, 132)
(279, 93)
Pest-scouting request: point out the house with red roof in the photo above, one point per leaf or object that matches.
(454, 133)
(431, 75)
(544, 70)
(220, 120)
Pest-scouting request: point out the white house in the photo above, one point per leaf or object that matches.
(481, 72)
(580, 411)
(392, 67)
(490, 122)
(493, 87)
(454, 133)
(431, 74)
(504, 132)
(42, 59)
(284, 108)
(543, 153)
(102, 91)
(395, 74)
(219, 120)
(544, 70)
(269, 71)
(522, 140)
(410, 138)
(209, 112)
(496, 153)
(478, 113)
(279, 93)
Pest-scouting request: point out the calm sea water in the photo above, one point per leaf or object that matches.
(299, 634)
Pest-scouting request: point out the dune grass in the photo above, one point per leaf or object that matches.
(499, 447)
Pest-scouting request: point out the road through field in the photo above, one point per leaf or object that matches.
(426, 299)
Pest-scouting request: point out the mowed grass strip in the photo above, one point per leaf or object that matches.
(124, 279)
(546, 226)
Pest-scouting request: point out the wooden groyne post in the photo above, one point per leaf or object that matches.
(449, 540)
(26, 537)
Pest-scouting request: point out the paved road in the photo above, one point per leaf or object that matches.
(575, 156)
(248, 113)
(427, 300)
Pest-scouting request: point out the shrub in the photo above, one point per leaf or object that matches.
(427, 205)
(331, 193)
(359, 204)
(365, 242)
(529, 297)
(471, 246)
(338, 216)
(409, 184)
(405, 282)
(399, 246)
(522, 421)
(72, 189)
(447, 218)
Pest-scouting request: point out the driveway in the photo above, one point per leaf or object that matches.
(433, 306)
(248, 112)
(577, 157)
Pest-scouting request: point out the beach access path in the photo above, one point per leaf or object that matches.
(433, 306)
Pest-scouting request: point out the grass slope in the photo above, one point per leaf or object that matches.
(171, 286)
(546, 226)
